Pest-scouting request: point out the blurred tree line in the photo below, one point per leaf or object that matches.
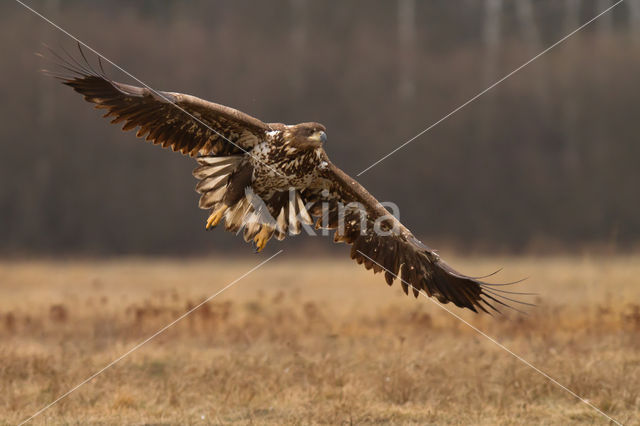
(549, 158)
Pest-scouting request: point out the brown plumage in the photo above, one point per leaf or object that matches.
(271, 179)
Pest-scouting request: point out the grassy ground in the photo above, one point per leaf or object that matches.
(320, 342)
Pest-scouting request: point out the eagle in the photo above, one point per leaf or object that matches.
(270, 180)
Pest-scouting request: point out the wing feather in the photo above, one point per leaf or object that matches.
(398, 253)
(182, 122)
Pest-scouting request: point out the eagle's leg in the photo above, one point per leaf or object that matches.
(216, 216)
(261, 238)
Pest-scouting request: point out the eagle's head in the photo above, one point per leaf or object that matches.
(306, 136)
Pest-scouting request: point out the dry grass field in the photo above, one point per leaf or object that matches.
(313, 342)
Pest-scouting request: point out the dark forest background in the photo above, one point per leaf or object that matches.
(548, 159)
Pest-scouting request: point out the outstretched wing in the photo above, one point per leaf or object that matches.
(337, 201)
(382, 243)
(185, 123)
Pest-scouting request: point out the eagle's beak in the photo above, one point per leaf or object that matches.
(323, 137)
(318, 138)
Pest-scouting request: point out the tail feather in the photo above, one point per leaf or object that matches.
(246, 211)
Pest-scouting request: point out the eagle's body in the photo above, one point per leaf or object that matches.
(270, 179)
(279, 166)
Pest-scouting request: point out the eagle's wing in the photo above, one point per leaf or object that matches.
(336, 201)
(382, 243)
(185, 123)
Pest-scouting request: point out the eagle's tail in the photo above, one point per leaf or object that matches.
(226, 193)
(219, 188)
(213, 174)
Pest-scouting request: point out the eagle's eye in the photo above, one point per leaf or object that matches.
(318, 137)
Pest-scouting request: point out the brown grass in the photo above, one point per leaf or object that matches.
(320, 342)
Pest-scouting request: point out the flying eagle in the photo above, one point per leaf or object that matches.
(270, 179)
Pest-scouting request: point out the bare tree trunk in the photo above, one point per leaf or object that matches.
(46, 102)
(634, 17)
(406, 39)
(33, 201)
(299, 39)
(526, 18)
(492, 30)
(605, 22)
(491, 33)
(570, 105)
(571, 15)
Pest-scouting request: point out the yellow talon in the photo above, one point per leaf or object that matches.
(261, 239)
(216, 216)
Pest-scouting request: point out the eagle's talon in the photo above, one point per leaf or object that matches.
(216, 217)
(260, 244)
(261, 239)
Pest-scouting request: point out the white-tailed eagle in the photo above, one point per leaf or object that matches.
(269, 179)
